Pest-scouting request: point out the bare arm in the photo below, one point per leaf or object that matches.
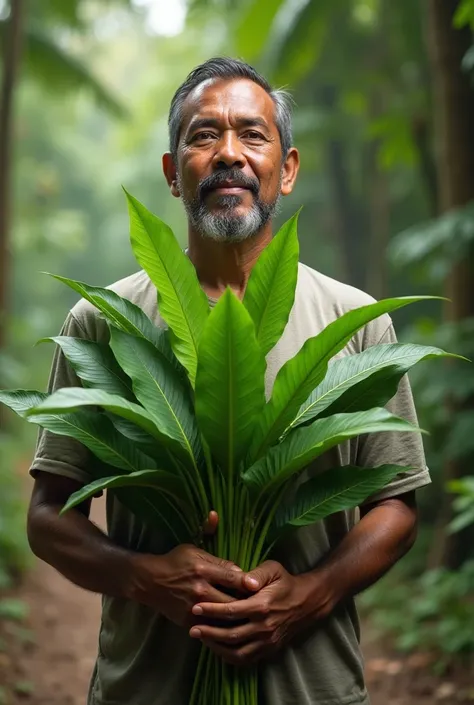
(77, 548)
(71, 543)
(386, 531)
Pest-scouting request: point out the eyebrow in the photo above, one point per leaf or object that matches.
(199, 123)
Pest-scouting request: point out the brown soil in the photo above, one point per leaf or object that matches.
(50, 662)
(55, 657)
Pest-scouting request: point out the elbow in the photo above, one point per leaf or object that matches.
(35, 530)
(410, 537)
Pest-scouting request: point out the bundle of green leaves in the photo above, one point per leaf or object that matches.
(180, 418)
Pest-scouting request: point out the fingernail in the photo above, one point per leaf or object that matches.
(197, 610)
(236, 569)
(196, 633)
(252, 582)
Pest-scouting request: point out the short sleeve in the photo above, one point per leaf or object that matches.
(398, 448)
(61, 455)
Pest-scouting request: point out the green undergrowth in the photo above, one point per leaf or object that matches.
(15, 555)
(424, 611)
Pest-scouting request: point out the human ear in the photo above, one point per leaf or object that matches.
(290, 170)
(171, 174)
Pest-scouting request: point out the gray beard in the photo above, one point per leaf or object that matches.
(225, 226)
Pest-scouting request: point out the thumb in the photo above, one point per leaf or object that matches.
(211, 523)
(259, 577)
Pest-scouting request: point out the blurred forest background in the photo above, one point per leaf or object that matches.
(384, 120)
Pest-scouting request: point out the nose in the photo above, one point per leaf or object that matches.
(229, 152)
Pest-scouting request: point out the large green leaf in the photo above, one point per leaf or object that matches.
(92, 429)
(71, 399)
(270, 291)
(94, 364)
(181, 301)
(97, 433)
(59, 71)
(362, 381)
(334, 491)
(299, 47)
(142, 440)
(305, 444)
(130, 419)
(157, 511)
(166, 482)
(21, 400)
(436, 244)
(230, 381)
(123, 314)
(302, 373)
(254, 27)
(159, 388)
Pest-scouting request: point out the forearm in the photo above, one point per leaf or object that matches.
(370, 549)
(79, 550)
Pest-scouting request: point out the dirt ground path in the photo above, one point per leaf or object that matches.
(54, 667)
(52, 662)
(64, 623)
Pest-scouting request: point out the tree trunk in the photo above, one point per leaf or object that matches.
(342, 208)
(454, 110)
(346, 215)
(378, 188)
(379, 227)
(421, 132)
(11, 59)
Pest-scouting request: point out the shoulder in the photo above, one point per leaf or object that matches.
(334, 293)
(137, 288)
(331, 298)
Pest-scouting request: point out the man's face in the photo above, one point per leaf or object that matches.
(229, 162)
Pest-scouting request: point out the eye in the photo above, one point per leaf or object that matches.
(203, 136)
(254, 135)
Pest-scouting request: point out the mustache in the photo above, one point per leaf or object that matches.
(237, 177)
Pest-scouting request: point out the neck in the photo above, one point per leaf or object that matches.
(222, 264)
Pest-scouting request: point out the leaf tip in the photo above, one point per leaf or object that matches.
(43, 340)
(128, 195)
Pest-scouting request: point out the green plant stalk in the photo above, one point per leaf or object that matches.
(237, 686)
(196, 496)
(230, 518)
(181, 469)
(244, 519)
(209, 468)
(215, 499)
(197, 679)
(258, 522)
(204, 500)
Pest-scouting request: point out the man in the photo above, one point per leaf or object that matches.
(231, 159)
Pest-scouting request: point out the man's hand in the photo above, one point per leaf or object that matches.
(172, 584)
(281, 607)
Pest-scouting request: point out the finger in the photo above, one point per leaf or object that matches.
(212, 594)
(211, 523)
(226, 577)
(266, 573)
(252, 608)
(233, 636)
(242, 656)
(208, 558)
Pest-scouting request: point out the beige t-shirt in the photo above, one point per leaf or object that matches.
(143, 659)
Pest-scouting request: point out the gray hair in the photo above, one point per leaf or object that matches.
(226, 68)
